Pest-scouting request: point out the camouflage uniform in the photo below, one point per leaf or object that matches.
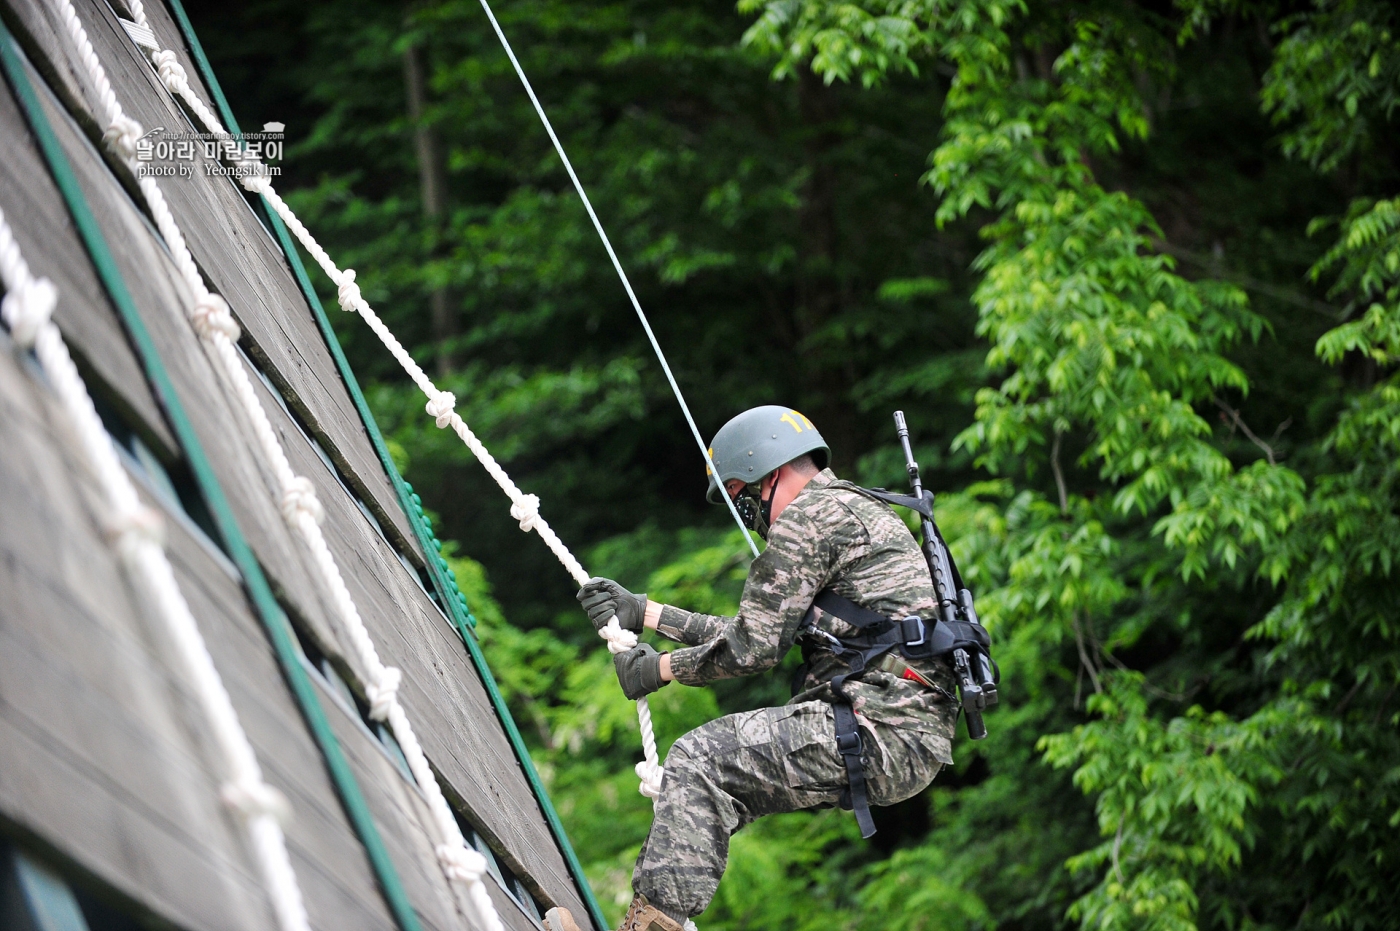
(735, 769)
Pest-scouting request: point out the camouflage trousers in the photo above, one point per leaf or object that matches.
(738, 768)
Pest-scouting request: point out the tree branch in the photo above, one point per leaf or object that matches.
(1087, 663)
(1248, 283)
(1059, 474)
(1118, 843)
(1238, 421)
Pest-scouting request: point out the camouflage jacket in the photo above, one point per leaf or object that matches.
(829, 536)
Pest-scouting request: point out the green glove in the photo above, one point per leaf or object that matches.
(639, 670)
(602, 598)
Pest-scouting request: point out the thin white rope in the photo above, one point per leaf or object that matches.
(617, 265)
(441, 404)
(212, 320)
(137, 534)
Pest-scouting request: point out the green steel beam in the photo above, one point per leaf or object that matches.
(268, 610)
(444, 581)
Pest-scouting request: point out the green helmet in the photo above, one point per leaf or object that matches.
(760, 440)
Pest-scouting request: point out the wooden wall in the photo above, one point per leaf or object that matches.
(103, 755)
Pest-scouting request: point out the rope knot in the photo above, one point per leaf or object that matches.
(526, 509)
(460, 863)
(384, 693)
(257, 182)
(172, 73)
(300, 498)
(27, 308)
(440, 409)
(122, 135)
(211, 315)
(140, 524)
(253, 797)
(619, 640)
(650, 774)
(347, 292)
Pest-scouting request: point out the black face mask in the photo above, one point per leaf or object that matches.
(756, 512)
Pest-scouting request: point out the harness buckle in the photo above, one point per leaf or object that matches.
(850, 744)
(910, 627)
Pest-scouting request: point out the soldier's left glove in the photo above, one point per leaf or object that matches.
(603, 598)
(639, 671)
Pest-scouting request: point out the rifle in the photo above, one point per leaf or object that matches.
(974, 671)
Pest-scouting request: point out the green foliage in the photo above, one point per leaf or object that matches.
(1172, 795)
(1101, 341)
(1368, 253)
(1337, 71)
(1033, 226)
(841, 40)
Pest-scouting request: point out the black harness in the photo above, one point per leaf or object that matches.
(878, 634)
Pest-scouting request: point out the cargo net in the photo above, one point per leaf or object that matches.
(209, 314)
(441, 405)
(212, 319)
(137, 533)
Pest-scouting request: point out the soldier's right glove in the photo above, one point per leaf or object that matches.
(603, 598)
(639, 670)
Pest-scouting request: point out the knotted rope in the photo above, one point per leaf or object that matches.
(211, 319)
(30, 304)
(441, 406)
(138, 533)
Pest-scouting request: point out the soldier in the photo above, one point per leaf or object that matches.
(824, 535)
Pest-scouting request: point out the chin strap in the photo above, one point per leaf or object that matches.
(766, 507)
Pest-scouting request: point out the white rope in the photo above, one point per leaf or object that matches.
(210, 316)
(441, 407)
(137, 534)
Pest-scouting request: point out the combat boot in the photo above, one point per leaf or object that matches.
(643, 916)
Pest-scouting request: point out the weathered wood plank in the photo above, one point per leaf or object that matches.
(44, 231)
(449, 690)
(495, 790)
(403, 821)
(160, 295)
(460, 732)
(450, 710)
(509, 812)
(92, 751)
(429, 889)
(235, 251)
(461, 735)
(512, 915)
(331, 866)
(64, 637)
(401, 807)
(351, 450)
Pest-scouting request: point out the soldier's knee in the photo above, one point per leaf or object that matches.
(685, 753)
(698, 750)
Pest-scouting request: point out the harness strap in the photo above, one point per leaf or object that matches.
(847, 610)
(915, 636)
(849, 744)
(924, 507)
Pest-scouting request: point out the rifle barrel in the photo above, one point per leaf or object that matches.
(910, 465)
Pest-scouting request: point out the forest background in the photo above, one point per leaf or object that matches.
(1132, 270)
